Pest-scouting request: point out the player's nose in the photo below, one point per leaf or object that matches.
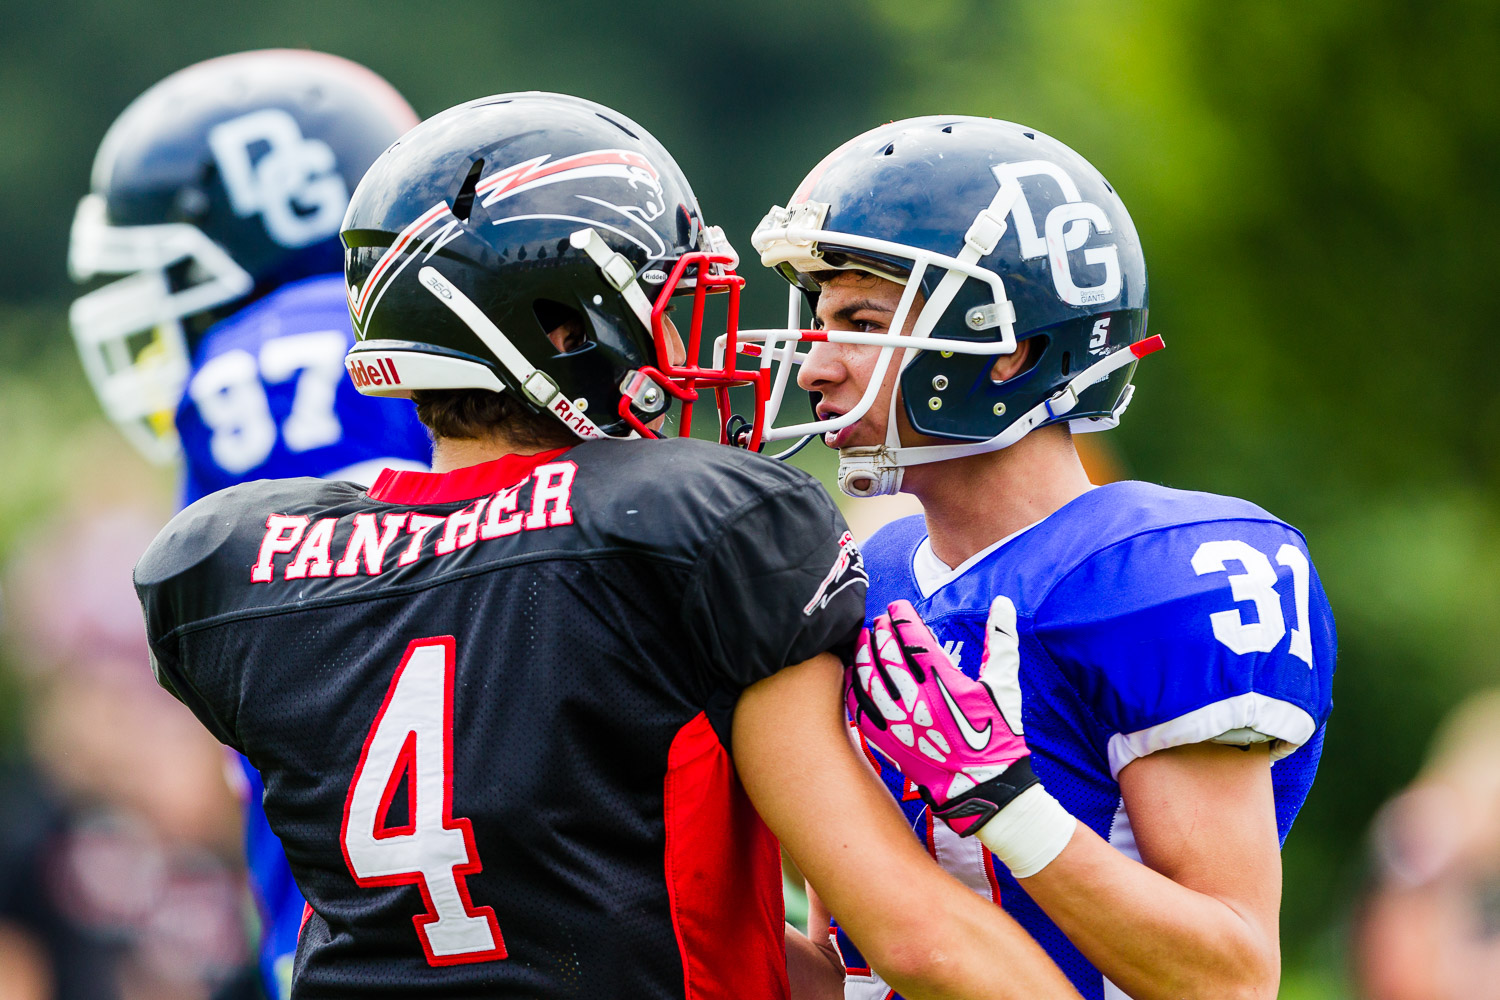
(821, 368)
(676, 352)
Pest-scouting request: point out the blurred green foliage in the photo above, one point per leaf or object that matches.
(1313, 184)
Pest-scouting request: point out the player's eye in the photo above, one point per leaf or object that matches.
(563, 326)
(567, 338)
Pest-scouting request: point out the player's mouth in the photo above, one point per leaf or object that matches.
(835, 439)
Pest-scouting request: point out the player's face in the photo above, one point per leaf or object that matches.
(569, 336)
(676, 352)
(854, 300)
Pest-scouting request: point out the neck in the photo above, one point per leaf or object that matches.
(970, 503)
(449, 454)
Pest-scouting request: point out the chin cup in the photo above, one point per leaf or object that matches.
(868, 472)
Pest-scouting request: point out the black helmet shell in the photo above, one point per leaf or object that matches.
(489, 193)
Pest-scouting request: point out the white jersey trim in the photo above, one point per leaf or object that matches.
(1122, 839)
(932, 574)
(1285, 724)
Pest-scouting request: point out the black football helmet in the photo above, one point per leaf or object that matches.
(482, 228)
(1009, 235)
(217, 185)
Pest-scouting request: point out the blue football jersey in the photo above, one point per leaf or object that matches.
(268, 398)
(1148, 618)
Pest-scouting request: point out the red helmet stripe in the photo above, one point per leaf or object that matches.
(506, 181)
(393, 252)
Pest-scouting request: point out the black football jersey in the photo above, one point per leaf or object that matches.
(492, 707)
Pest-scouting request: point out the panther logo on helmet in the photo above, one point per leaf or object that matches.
(642, 179)
(437, 226)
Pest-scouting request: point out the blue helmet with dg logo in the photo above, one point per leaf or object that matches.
(1000, 235)
(219, 184)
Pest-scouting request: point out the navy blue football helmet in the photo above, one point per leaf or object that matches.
(493, 222)
(1009, 236)
(217, 185)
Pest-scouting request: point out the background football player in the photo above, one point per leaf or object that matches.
(493, 702)
(218, 330)
(979, 296)
(1428, 925)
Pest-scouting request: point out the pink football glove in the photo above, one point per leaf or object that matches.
(948, 734)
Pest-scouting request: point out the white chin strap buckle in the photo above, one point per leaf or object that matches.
(868, 472)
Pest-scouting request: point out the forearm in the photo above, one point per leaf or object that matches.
(814, 972)
(1151, 936)
(928, 935)
(973, 951)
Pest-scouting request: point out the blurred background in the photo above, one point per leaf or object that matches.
(1310, 182)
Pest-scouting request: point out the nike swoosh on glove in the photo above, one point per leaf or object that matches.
(959, 741)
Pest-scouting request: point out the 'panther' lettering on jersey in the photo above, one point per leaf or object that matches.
(549, 504)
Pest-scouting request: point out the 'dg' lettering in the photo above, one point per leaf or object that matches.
(1065, 229)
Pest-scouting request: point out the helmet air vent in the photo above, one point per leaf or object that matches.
(1029, 135)
(948, 129)
(463, 202)
(888, 150)
(617, 125)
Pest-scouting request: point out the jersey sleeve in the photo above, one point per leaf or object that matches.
(781, 581)
(169, 584)
(1217, 631)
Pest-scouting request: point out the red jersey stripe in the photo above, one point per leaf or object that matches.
(723, 870)
(409, 487)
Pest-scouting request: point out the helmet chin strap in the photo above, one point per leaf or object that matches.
(878, 471)
(874, 472)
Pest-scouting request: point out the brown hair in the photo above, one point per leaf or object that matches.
(481, 413)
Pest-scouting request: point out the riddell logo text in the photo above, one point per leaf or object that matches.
(364, 540)
(380, 371)
(575, 421)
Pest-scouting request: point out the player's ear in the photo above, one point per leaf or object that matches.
(1010, 365)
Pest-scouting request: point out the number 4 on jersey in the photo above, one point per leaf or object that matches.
(412, 738)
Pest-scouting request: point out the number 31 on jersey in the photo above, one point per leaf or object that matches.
(1257, 584)
(412, 737)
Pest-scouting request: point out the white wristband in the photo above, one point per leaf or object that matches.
(1029, 832)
